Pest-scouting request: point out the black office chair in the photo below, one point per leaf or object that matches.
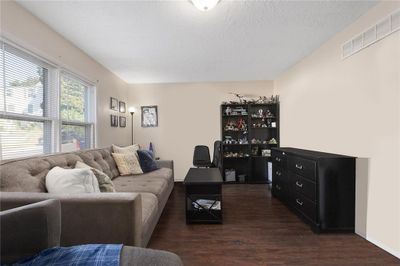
(201, 156)
(216, 162)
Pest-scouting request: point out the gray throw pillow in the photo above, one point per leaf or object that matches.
(105, 183)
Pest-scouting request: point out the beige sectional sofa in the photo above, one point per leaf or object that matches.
(128, 216)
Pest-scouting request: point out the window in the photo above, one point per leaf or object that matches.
(42, 109)
(76, 127)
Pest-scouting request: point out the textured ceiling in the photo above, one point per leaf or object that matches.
(172, 41)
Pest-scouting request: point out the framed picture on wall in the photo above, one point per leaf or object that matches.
(122, 121)
(114, 104)
(149, 116)
(114, 120)
(122, 108)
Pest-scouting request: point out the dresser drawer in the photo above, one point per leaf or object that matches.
(303, 167)
(278, 190)
(278, 158)
(304, 186)
(306, 207)
(278, 174)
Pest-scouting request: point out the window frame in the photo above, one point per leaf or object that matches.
(51, 118)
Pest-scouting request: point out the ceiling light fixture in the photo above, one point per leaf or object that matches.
(204, 5)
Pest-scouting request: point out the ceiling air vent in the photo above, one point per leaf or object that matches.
(375, 33)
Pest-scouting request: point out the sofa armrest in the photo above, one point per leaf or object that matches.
(95, 218)
(166, 164)
(29, 229)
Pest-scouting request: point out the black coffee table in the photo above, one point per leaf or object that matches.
(203, 195)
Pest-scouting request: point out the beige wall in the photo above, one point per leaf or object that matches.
(21, 27)
(189, 115)
(352, 106)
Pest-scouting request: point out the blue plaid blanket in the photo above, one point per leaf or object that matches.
(90, 255)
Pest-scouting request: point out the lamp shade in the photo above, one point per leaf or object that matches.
(131, 109)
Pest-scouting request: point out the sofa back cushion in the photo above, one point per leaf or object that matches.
(28, 175)
(100, 159)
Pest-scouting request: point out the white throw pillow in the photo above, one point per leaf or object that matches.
(128, 164)
(125, 150)
(70, 181)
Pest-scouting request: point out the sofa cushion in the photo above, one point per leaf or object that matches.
(162, 173)
(28, 174)
(126, 150)
(105, 183)
(149, 210)
(156, 186)
(146, 160)
(69, 181)
(100, 159)
(128, 164)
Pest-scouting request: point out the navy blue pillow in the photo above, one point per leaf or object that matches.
(146, 160)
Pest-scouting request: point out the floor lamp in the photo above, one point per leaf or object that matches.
(132, 111)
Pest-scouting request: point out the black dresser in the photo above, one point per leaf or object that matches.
(317, 186)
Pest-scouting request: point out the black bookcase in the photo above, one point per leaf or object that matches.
(248, 132)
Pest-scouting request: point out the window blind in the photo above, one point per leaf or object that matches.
(25, 127)
(42, 109)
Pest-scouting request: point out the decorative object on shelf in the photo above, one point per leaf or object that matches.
(113, 104)
(230, 175)
(239, 96)
(230, 126)
(266, 152)
(241, 124)
(122, 121)
(228, 111)
(259, 100)
(254, 151)
(242, 178)
(229, 140)
(268, 114)
(122, 107)
(272, 141)
(149, 116)
(236, 155)
(273, 124)
(114, 120)
(132, 111)
(243, 141)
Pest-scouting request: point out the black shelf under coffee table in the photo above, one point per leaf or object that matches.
(203, 184)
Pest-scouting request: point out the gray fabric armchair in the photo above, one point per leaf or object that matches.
(29, 229)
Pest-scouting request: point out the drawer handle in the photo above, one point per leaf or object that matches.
(299, 202)
(277, 159)
(278, 173)
(300, 185)
(299, 166)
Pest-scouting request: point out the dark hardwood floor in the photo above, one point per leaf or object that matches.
(257, 230)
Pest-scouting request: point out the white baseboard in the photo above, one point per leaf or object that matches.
(384, 247)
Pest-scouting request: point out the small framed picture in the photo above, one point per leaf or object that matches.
(122, 121)
(149, 116)
(122, 108)
(114, 120)
(114, 104)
